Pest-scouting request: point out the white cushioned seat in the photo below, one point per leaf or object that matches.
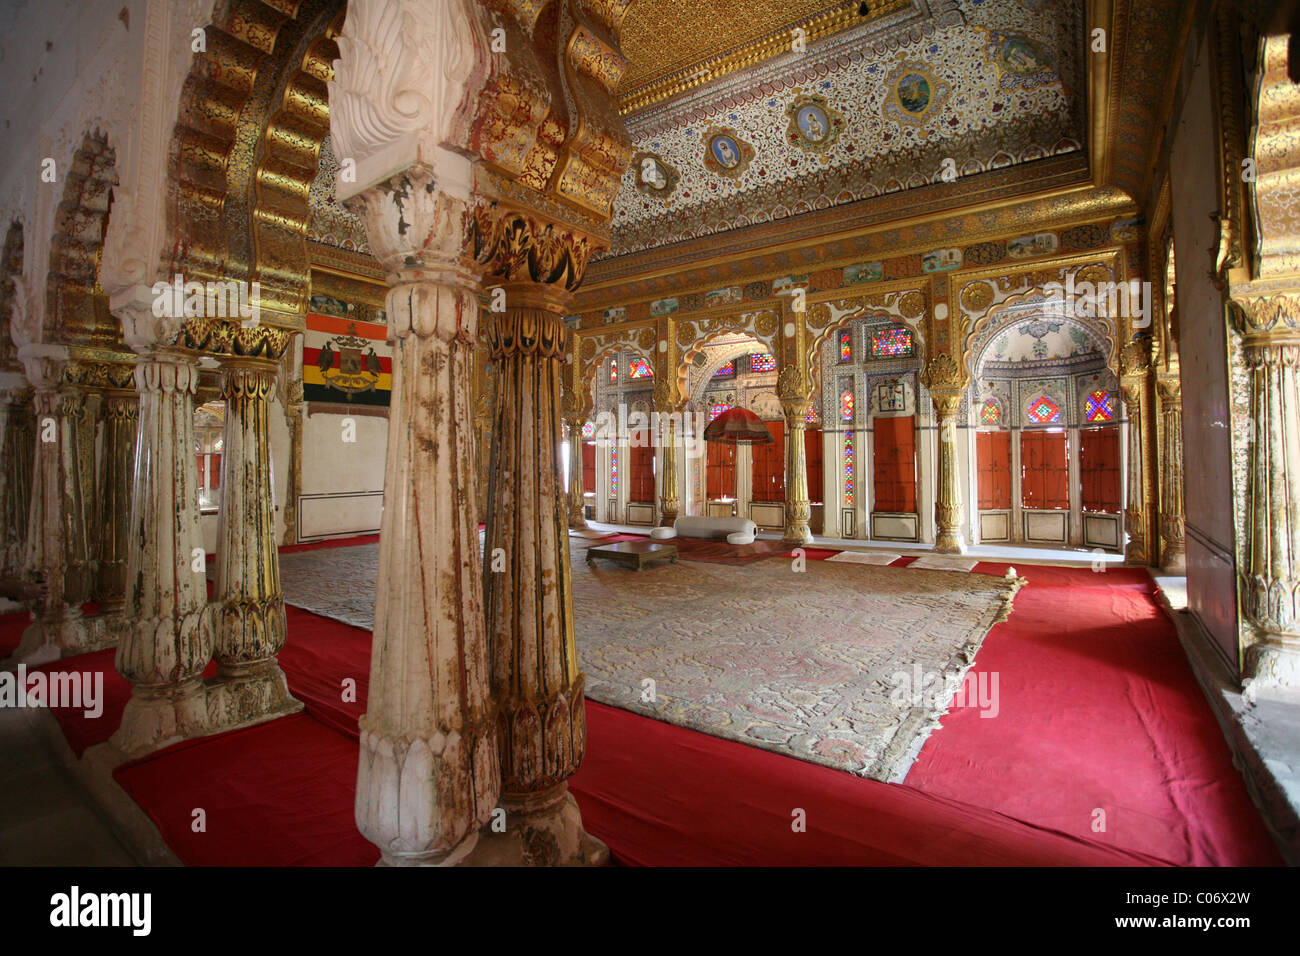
(740, 538)
(716, 529)
(661, 533)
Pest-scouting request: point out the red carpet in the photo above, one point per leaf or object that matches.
(12, 626)
(279, 794)
(1098, 709)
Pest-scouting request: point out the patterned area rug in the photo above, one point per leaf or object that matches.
(815, 664)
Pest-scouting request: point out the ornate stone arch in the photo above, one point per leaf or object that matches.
(11, 270)
(710, 368)
(594, 349)
(827, 319)
(76, 309)
(253, 113)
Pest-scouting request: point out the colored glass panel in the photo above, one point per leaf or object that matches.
(991, 413)
(613, 371)
(846, 346)
(848, 468)
(891, 343)
(588, 429)
(1100, 407)
(718, 409)
(762, 362)
(1043, 411)
(613, 471)
(725, 370)
(846, 406)
(639, 368)
(810, 416)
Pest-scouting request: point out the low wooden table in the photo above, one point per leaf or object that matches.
(635, 554)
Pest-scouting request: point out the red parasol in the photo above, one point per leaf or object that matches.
(738, 426)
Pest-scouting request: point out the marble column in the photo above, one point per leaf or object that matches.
(248, 605)
(946, 383)
(948, 509)
(1173, 550)
(536, 680)
(798, 511)
(669, 497)
(121, 415)
(1271, 588)
(577, 503)
(168, 639)
(1135, 549)
(429, 774)
(16, 455)
(57, 546)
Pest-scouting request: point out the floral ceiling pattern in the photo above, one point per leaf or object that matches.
(988, 84)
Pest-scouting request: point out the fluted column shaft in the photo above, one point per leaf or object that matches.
(535, 675)
(429, 773)
(1135, 518)
(798, 510)
(949, 512)
(121, 414)
(669, 499)
(577, 509)
(16, 456)
(1272, 585)
(248, 604)
(536, 681)
(1173, 552)
(168, 639)
(57, 548)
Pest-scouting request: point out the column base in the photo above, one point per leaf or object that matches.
(797, 536)
(455, 857)
(540, 830)
(949, 542)
(667, 518)
(158, 716)
(65, 633)
(1174, 562)
(578, 522)
(1274, 665)
(245, 694)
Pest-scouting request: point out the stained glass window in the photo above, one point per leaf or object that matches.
(725, 370)
(588, 429)
(846, 406)
(991, 413)
(718, 409)
(613, 471)
(848, 468)
(810, 416)
(762, 362)
(639, 368)
(846, 346)
(1043, 410)
(1101, 406)
(613, 371)
(891, 343)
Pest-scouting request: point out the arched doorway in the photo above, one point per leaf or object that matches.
(1046, 418)
(736, 370)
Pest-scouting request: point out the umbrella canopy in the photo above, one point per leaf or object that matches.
(738, 426)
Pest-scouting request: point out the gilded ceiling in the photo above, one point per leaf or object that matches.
(671, 44)
(892, 103)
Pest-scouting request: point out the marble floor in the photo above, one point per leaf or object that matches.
(45, 817)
